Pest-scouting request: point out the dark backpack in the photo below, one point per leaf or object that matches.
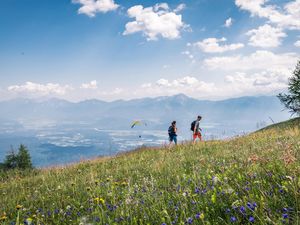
(193, 124)
(170, 130)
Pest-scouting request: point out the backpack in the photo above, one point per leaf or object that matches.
(170, 130)
(193, 124)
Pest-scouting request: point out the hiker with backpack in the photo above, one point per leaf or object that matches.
(172, 131)
(195, 127)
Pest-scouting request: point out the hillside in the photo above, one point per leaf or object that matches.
(247, 180)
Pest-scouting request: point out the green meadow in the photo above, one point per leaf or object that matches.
(253, 179)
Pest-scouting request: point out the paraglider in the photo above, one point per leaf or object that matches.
(138, 123)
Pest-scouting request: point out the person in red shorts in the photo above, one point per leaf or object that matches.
(196, 129)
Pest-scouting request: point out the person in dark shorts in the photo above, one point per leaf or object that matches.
(173, 133)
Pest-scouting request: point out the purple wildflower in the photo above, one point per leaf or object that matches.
(190, 220)
(285, 216)
(242, 210)
(251, 219)
(232, 219)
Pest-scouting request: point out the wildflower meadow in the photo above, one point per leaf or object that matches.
(252, 179)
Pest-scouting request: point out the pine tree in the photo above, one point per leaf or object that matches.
(11, 160)
(23, 158)
(291, 100)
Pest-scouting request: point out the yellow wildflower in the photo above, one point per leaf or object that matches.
(29, 221)
(202, 216)
(2, 218)
(18, 207)
(99, 200)
(214, 198)
(124, 183)
(102, 201)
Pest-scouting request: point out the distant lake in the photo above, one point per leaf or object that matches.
(59, 145)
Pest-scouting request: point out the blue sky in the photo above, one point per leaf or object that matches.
(105, 49)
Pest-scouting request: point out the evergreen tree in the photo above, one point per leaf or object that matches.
(23, 158)
(292, 100)
(11, 160)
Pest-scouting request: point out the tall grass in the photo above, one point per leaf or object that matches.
(247, 180)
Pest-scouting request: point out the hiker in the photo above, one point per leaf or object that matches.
(195, 127)
(173, 133)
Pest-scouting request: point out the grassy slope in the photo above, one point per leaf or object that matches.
(209, 183)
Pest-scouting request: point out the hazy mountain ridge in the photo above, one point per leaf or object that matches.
(158, 111)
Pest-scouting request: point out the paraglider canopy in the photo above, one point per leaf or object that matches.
(138, 123)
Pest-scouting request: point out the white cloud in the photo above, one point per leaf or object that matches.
(187, 85)
(259, 60)
(212, 45)
(188, 54)
(266, 36)
(91, 85)
(228, 22)
(287, 17)
(154, 22)
(179, 8)
(161, 6)
(36, 89)
(91, 7)
(297, 43)
(111, 93)
(264, 82)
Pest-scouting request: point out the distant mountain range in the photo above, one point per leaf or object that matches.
(244, 112)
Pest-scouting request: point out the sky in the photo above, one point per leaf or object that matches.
(117, 49)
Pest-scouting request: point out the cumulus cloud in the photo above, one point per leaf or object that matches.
(259, 60)
(92, 85)
(228, 22)
(36, 89)
(264, 81)
(212, 45)
(92, 7)
(154, 22)
(266, 36)
(188, 85)
(287, 17)
(297, 44)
